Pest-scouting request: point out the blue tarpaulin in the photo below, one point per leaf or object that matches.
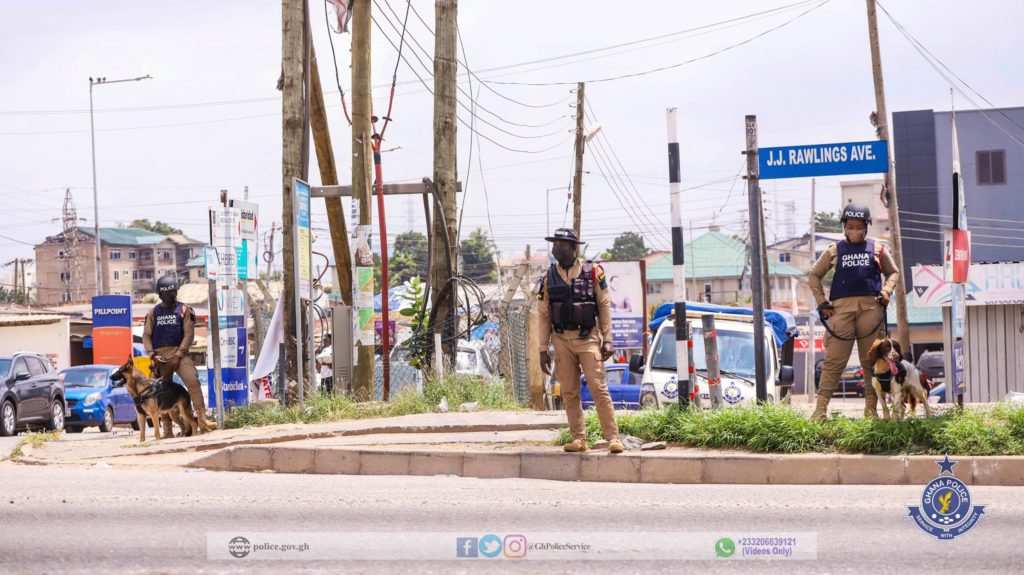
(394, 300)
(782, 323)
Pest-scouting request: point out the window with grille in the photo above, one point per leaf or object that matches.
(991, 167)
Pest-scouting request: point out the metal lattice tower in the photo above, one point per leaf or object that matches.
(72, 269)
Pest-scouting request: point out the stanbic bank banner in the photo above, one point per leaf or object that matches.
(111, 329)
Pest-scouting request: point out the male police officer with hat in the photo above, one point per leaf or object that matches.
(574, 304)
(865, 277)
(167, 336)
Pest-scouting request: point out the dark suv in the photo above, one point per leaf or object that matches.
(31, 394)
(932, 365)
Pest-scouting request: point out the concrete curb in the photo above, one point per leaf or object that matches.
(643, 467)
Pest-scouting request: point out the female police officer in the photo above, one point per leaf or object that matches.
(865, 277)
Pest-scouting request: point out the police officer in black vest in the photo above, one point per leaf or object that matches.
(864, 279)
(167, 336)
(573, 303)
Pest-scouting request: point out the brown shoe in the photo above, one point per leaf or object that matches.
(576, 446)
(615, 446)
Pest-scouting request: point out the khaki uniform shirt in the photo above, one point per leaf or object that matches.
(827, 261)
(604, 303)
(188, 323)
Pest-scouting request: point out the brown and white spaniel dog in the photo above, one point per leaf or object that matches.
(897, 378)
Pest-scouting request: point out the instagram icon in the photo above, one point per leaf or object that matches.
(515, 546)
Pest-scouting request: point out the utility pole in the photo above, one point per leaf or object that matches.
(577, 182)
(362, 168)
(293, 131)
(882, 123)
(445, 169)
(762, 249)
(329, 177)
(812, 355)
(757, 270)
(16, 280)
(270, 254)
(682, 326)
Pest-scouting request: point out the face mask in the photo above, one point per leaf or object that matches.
(168, 297)
(856, 236)
(566, 257)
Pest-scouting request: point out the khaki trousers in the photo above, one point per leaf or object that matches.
(854, 316)
(188, 373)
(572, 353)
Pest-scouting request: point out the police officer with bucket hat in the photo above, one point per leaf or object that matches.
(575, 317)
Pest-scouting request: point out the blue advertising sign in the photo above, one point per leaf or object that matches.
(235, 387)
(112, 311)
(823, 160)
(628, 332)
(959, 371)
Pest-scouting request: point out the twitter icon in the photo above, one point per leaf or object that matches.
(490, 545)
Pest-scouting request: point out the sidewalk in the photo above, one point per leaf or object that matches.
(499, 445)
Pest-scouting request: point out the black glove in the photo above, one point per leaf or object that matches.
(545, 363)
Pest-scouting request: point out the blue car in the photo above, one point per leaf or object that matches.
(623, 386)
(92, 401)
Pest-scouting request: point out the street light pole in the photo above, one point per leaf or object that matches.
(95, 195)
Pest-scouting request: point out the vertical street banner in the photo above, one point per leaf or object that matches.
(303, 251)
(111, 329)
(626, 291)
(956, 260)
(248, 256)
(364, 332)
(234, 349)
(225, 231)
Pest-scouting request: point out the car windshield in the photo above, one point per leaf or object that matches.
(86, 377)
(735, 352)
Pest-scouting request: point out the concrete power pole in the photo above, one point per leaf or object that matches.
(362, 161)
(682, 326)
(812, 355)
(293, 129)
(445, 171)
(882, 123)
(762, 249)
(577, 182)
(757, 270)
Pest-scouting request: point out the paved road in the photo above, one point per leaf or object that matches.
(88, 434)
(106, 520)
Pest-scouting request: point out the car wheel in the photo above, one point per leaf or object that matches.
(108, 421)
(56, 415)
(8, 419)
(74, 429)
(648, 401)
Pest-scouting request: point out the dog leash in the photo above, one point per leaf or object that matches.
(881, 325)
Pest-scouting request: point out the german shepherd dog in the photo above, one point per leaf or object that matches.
(898, 378)
(154, 398)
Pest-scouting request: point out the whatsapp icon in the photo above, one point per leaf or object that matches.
(725, 547)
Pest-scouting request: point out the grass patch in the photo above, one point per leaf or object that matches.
(36, 439)
(487, 394)
(776, 428)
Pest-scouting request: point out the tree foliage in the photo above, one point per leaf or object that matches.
(477, 253)
(156, 227)
(628, 246)
(827, 222)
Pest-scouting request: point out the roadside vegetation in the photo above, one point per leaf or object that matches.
(494, 394)
(780, 429)
(35, 439)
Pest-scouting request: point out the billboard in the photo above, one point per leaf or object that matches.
(987, 284)
(111, 329)
(626, 290)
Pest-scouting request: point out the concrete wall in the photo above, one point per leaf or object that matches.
(867, 192)
(993, 342)
(51, 339)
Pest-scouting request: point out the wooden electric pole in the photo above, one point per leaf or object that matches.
(293, 133)
(882, 123)
(577, 181)
(362, 161)
(445, 171)
(329, 177)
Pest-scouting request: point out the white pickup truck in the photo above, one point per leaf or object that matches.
(736, 362)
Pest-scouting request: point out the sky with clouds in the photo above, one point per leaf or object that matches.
(210, 118)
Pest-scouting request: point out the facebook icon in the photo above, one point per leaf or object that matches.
(466, 547)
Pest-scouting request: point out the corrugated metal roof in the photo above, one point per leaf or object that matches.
(916, 315)
(29, 319)
(127, 236)
(714, 255)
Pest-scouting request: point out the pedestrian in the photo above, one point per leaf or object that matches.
(575, 317)
(167, 336)
(325, 361)
(865, 277)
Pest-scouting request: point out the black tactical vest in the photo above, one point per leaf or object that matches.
(573, 306)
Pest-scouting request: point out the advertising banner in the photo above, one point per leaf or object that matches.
(111, 329)
(626, 290)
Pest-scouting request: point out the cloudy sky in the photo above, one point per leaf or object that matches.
(210, 118)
